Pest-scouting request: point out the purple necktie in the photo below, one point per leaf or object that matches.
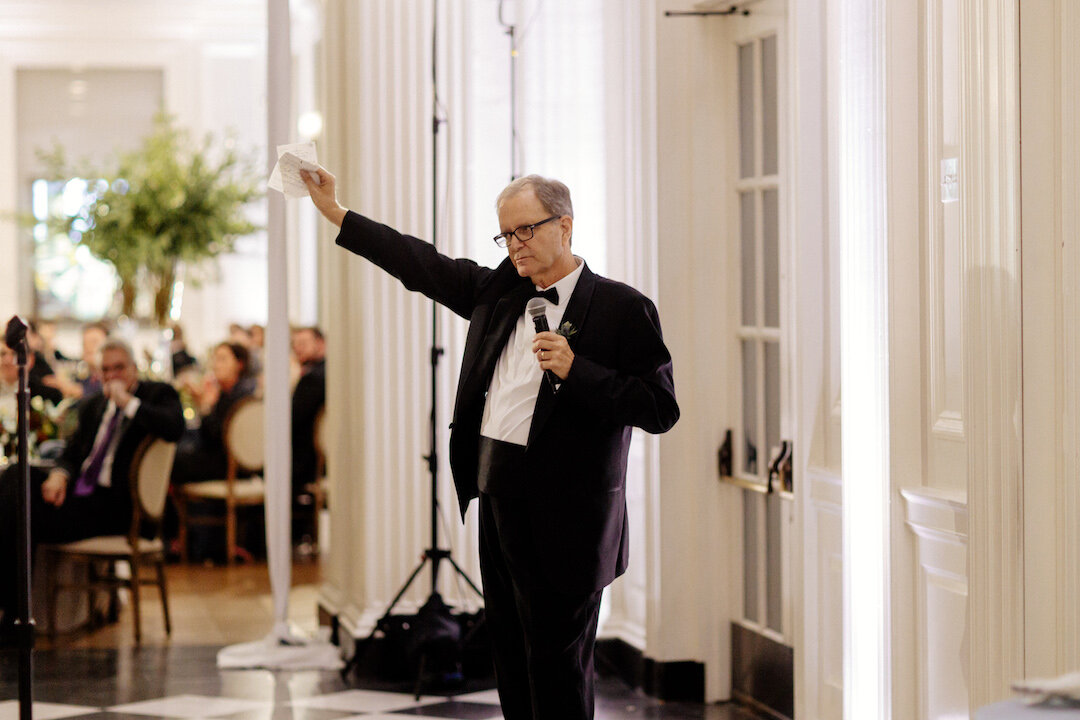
(88, 480)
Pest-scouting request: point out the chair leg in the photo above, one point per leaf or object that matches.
(182, 529)
(230, 534)
(134, 585)
(96, 619)
(52, 592)
(164, 595)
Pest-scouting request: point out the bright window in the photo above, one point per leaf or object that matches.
(69, 282)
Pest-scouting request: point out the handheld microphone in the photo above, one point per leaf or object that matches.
(537, 310)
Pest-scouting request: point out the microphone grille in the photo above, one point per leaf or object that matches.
(536, 307)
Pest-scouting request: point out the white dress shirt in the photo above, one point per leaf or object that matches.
(105, 476)
(515, 385)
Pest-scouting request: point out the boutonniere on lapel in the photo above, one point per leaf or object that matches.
(567, 330)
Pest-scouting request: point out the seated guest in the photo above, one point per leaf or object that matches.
(88, 375)
(40, 368)
(258, 337)
(201, 455)
(309, 396)
(182, 360)
(87, 493)
(9, 377)
(242, 335)
(42, 338)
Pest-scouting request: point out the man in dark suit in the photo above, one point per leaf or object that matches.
(546, 454)
(87, 493)
(308, 399)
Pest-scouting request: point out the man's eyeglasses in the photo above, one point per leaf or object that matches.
(523, 233)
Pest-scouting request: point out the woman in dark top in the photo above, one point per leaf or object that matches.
(201, 453)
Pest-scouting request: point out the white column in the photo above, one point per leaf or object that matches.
(1069, 587)
(1050, 171)
(989, 195)
(692, 521)
(861, 74)
(278, 405)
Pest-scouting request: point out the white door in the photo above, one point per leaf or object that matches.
(759, 449)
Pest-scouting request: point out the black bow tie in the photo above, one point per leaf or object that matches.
(551, 295)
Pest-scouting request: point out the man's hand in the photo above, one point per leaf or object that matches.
(553, 353)
(67, 387)
(118, 392)
(54, 489)
(324, 195)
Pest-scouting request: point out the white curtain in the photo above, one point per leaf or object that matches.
(578, 119)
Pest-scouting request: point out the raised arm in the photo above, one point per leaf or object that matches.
(455, 283)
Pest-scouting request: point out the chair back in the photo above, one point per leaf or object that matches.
(245, 434)
(152, 476)
(149, 484)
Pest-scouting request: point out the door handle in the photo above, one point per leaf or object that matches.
(780, 476)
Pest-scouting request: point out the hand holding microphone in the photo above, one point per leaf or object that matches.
(552, 350)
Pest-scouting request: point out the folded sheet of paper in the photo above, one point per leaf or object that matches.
(292, 159)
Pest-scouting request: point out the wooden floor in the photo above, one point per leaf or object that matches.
(208, 606)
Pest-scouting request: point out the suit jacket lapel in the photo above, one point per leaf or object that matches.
(576, 310)
(505, 315)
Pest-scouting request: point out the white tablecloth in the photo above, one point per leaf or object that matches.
(1016, 710)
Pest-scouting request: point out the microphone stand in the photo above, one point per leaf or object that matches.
(15, 338)
(434, 554)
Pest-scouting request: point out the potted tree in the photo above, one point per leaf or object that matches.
(169, 201)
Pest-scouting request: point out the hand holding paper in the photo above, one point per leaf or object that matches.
(286, 177)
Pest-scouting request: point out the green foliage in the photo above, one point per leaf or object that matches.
(170, 200)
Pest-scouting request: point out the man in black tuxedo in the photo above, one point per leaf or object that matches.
(545, 452)
(87, 493)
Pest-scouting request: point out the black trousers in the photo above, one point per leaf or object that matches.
(542, 636)
(106, 511)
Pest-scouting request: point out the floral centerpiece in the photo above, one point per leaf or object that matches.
(48, 422)
(168, 202)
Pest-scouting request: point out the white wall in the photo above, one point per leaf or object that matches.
(211, 57)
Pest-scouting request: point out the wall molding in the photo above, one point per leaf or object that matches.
(671, 680)
(939, 521)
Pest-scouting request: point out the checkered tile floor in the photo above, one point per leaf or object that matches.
(184, 683)
(367, 704)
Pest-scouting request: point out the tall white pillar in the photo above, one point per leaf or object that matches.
(864, 347)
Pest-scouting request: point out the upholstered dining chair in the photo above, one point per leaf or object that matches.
(245, 445)
(149, 483)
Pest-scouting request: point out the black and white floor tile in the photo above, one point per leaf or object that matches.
(183, 683)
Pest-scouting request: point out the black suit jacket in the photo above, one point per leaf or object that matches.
(160, 414)
(309, 397)
(576, 454)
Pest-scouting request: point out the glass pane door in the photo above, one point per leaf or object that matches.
(759, 334)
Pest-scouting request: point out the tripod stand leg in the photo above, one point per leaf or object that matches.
(360, 647)
(467, 579)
